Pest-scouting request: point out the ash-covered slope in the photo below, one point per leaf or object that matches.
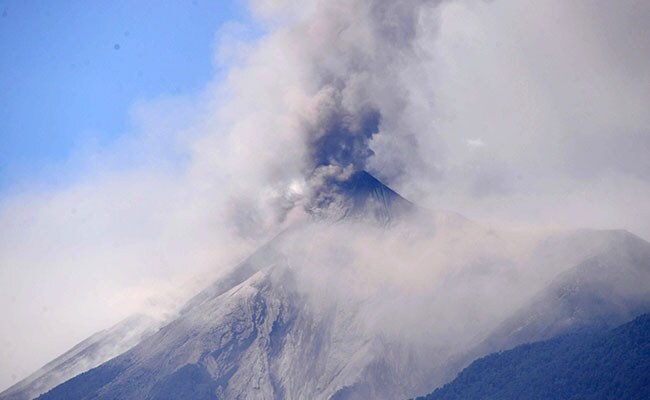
(254, 334)
(88, 354)
(260, 340)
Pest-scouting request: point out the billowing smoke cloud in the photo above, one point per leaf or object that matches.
(340, 139)
(360, 48)
(352, 56)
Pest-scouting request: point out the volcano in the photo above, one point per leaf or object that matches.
(305, 317)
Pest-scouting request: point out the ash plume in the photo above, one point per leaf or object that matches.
(353, 53)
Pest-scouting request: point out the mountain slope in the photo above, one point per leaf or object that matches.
(371, 298)
(602, 292)
(614, 365)
(607, 287)
(253, 334)
(260, 340)
(88, 354)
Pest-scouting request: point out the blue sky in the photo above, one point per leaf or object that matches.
(70, 71)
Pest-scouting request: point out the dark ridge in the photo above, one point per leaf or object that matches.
(611, 365)
(81, 386)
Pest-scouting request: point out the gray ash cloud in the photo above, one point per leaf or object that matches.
(342, 139)
(356, 51)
